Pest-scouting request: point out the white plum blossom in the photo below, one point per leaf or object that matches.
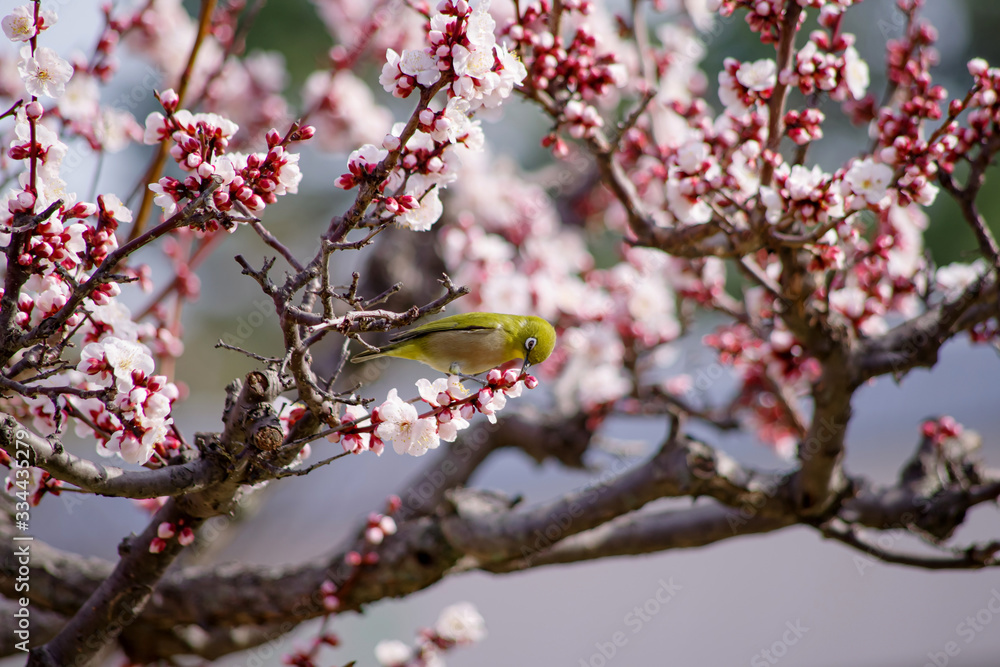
(354, 442)
(685, 208)
(849, 300)
(116, 208)
(593, 374)
(19, 25)
(855, 73)
(81, 99)
(476, 63)
(461, 623)
(728, 93)
(954, 278)
(759, 75)
(126, 445)
(368, 155)
(115, 129)
(491, 401)
(392, 653)
(420, 65)
(480, 26)
(869, 180)
(44, 73)
(512, 73)
(803, 181)
(450, 423)
(390, 71)
(399, 423)
(508, 290)
(425, 214)
(442, 391)
(347, 114)
(124, 357)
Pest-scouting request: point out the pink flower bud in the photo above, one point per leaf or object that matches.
(169, 100)
(156, 545)
(81, 210)
(395, 504)
(34, 110)
(978, 67)
(24, 201)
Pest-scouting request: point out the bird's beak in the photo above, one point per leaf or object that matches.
(525, 366)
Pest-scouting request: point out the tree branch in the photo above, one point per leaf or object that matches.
(103, 480)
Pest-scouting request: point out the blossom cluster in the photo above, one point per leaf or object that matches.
(56, 254)
(574, 67)
(708, 163)
(458, 624)
(426, 165)
(451, 407)
(28, 484)
(168, 531)
(139, 414)
(462, 53)
(199, 145)
(941, 429)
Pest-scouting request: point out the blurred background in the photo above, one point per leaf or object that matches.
(735, 599)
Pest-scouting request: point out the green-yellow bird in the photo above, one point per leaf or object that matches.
(471, 343)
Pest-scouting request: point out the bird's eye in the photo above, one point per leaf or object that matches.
(530, 343)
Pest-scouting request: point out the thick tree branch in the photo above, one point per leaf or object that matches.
(682, 467)
(108, 480)
(646, 533)
(118, 600)
(916, 342)
(244, 605)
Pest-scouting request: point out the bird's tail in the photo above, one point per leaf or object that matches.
(366, 355)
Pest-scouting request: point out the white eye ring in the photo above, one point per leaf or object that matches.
(530, 343)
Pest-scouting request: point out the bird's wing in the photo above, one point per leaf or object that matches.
(438, 326)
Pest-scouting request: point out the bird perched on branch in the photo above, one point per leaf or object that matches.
(471, 343)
